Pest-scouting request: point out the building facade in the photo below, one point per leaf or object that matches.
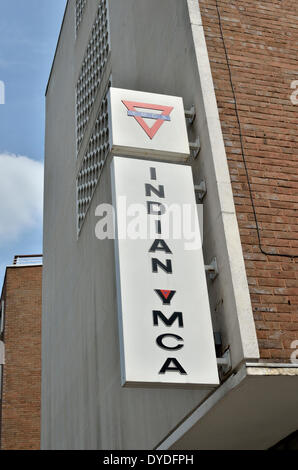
(21, 372)
(234, 65)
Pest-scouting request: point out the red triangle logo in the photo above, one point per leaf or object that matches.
(139, 116)
(165, 293)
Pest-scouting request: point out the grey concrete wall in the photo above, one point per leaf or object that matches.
(83, 404)
(152, 47)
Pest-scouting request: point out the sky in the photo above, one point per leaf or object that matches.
(29, 31)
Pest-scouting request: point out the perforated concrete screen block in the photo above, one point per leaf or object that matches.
(165, 328)
(148, 124)
(80, 7)
(92, 164)
(93, 66)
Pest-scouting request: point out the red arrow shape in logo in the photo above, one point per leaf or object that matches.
(139, 115)
(165, 295)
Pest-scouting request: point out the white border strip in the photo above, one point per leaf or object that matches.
(242, 316)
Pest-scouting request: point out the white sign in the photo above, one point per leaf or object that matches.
(166, 335)
(147, 124)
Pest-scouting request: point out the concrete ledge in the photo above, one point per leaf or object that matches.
(254, 409)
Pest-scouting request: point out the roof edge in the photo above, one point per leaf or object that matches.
(56, 50)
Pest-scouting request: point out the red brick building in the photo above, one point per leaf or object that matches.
(252, 49)
(21, 374)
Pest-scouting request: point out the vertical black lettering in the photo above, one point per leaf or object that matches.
(177, 366)
(153, 173)
(158, 227)
(160, 245)
(155, 208)
(157, 315)
(160, 192)
(161, 344)
(165, 267)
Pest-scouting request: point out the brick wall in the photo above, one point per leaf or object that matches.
(261, 40)
(20, 424)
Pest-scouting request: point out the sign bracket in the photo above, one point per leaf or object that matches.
(190, 115)
(201, 190)
(195, 148)
(212, 269)
(224, 362)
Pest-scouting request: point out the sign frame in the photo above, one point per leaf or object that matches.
(192, 308)
(137, 131)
